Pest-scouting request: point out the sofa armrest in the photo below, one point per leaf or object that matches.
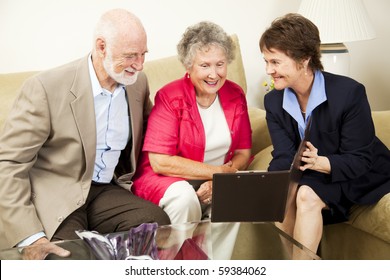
(373, 219)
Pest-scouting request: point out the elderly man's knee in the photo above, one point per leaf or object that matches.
(159, 216)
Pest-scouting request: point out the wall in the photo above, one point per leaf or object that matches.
(40, 34)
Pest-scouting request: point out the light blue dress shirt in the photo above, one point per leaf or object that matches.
(112, 127)
(317, 96)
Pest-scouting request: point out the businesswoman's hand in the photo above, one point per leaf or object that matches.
(313, 161)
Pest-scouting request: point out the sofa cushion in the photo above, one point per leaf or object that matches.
(162, 71)
(9, 84)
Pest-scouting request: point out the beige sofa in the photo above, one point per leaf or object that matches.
(366, 236)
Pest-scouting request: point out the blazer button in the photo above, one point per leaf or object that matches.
(60, 219)
(79, 203)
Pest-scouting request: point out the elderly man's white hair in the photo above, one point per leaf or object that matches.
(114, 22)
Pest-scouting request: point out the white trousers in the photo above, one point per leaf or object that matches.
(182, 205)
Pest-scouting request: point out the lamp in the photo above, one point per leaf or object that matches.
(338, 21)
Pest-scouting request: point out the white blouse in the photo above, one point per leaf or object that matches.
(218, 138)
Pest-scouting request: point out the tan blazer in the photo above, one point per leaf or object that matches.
(48, 146)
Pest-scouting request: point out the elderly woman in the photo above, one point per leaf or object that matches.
(199, 126)
(344, 162)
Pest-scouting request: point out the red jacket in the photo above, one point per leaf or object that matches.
(175, 128)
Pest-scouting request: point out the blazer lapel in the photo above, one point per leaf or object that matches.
(84, 114)
(134, 98)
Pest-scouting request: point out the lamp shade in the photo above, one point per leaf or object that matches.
(338, 21)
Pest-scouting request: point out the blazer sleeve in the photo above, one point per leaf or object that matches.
(283, 139)
(356, 138)
(25, 131)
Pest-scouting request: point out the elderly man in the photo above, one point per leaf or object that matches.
(70, 145)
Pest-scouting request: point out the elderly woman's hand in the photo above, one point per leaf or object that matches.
(228, 168)
(205, 192)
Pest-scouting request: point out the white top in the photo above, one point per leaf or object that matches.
(218, 138)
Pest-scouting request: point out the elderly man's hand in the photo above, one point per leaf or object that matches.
(41, 248)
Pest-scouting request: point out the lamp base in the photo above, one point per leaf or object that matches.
(335, 58)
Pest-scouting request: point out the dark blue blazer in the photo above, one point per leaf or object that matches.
(342, 129)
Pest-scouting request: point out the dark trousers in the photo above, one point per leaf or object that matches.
(110, 208)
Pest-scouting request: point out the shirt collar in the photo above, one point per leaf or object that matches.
(96, 88)
(317, 97)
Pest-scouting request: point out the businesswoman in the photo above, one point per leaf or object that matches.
(344, 162)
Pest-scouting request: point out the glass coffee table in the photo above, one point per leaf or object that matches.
(265, 241)
(193, 241)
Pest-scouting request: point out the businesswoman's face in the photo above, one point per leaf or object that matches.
(285, 71)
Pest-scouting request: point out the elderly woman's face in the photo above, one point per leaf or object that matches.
(209, 70)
